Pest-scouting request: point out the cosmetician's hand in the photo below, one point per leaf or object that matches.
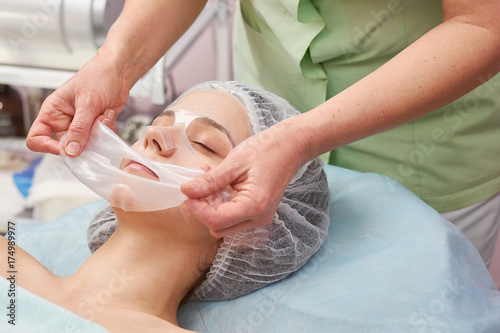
(96, 91)
(259, 170)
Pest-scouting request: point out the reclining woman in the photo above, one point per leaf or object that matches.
(156, 260)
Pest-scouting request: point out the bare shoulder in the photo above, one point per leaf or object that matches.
(28, 272)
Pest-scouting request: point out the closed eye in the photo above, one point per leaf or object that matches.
(204, 147)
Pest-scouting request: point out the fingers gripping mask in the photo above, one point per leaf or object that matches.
(128, 177)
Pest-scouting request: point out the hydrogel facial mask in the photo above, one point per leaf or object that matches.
(98, 168)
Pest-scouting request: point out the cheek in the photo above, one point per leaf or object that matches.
(212, 161)
(194, 160)
(138, 147)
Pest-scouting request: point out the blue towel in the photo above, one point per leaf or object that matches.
(390, 264)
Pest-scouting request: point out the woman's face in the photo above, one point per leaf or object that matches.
(222, 123)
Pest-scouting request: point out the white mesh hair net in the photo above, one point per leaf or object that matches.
(252, 259)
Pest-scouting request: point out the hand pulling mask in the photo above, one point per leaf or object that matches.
(98, 167)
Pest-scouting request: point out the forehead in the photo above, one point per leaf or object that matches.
(220, 106)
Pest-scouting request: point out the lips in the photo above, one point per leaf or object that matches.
(141, 170)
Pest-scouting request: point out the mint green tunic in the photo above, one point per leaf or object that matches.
(308, 51)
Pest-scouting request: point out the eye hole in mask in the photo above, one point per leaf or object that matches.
(195, 134)
(96, 167)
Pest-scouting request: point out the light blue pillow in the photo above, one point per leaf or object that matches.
(390, 264)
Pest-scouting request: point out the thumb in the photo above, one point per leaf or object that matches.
(208, 183)
(78, 132)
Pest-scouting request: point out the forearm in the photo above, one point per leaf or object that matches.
(144, 31)
(441, 66)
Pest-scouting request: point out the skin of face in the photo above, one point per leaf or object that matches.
(210, 145)
(223, 125)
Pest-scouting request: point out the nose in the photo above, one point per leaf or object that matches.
(160, 143)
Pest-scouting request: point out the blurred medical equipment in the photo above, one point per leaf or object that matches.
(11, 112)
(54, 190)
(133, 126)
(14, 158)
(44, 43)
(98, 166)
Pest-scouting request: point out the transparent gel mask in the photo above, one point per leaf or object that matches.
(98, 166)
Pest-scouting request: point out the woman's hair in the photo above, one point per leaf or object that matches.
(252, 259)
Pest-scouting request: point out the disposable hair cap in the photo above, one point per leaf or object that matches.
(254, 258)
(98, 168)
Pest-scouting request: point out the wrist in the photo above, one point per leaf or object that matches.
(120, 62)
(297, 143)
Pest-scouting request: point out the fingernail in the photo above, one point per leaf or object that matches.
(111, 115)
(72, 148)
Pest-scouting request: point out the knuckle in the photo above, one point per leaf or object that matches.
(211, 179)
(78, 127)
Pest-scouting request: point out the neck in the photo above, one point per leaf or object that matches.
(141, 267)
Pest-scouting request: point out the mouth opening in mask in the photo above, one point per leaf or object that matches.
(140, 169)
